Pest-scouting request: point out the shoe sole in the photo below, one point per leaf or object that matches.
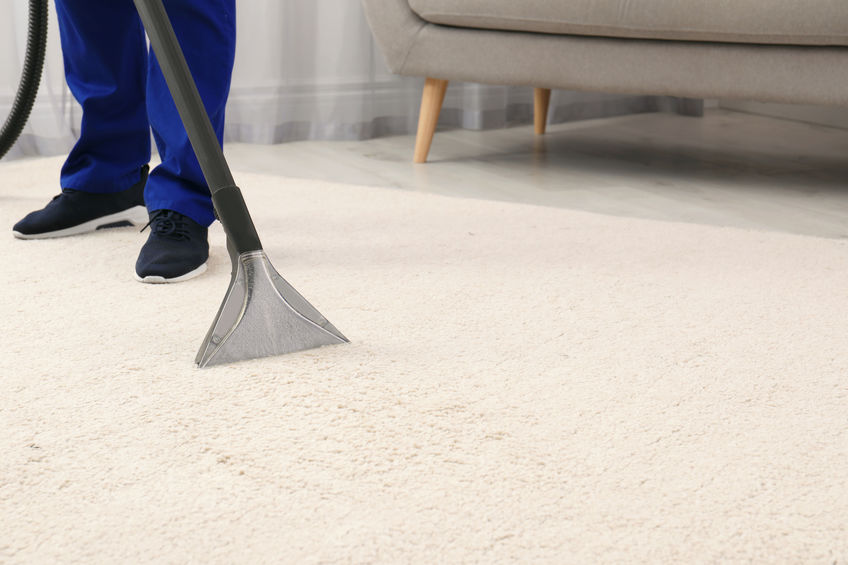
(136, 215)
(155, 279)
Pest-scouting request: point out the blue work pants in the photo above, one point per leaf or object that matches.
(123, 96)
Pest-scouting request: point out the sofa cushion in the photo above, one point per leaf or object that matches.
(787, 22)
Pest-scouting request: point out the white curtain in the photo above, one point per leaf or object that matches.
(54, 121)
(305, 69)
(310, 70)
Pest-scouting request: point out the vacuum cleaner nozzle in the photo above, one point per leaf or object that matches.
(263, 315)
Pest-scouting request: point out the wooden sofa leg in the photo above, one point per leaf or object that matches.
(542, 99)
(431, 107)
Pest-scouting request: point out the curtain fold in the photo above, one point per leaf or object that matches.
(54, 122)
(304, 70)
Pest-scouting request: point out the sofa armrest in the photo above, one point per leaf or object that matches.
(395, 27)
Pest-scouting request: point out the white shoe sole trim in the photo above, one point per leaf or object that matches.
(151, 279)
(136, 215)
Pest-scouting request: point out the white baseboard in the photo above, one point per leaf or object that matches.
(274, 114)
(832, 116)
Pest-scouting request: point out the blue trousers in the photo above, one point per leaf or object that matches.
(124, 95)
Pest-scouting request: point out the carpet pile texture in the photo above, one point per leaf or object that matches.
(524, 384)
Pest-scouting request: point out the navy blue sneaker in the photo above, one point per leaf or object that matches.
(74, 212)
(175, 251)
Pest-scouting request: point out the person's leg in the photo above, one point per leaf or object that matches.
(105, 56)
(206, 30)
(177, 195)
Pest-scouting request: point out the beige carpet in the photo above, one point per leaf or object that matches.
(523, 385)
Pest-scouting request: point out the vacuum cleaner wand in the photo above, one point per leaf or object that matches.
(261, 314)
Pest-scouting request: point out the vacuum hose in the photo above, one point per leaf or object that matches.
(30, 78)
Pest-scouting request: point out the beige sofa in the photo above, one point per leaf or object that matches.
(769, 50)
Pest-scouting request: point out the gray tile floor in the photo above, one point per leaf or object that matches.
(728, 168)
